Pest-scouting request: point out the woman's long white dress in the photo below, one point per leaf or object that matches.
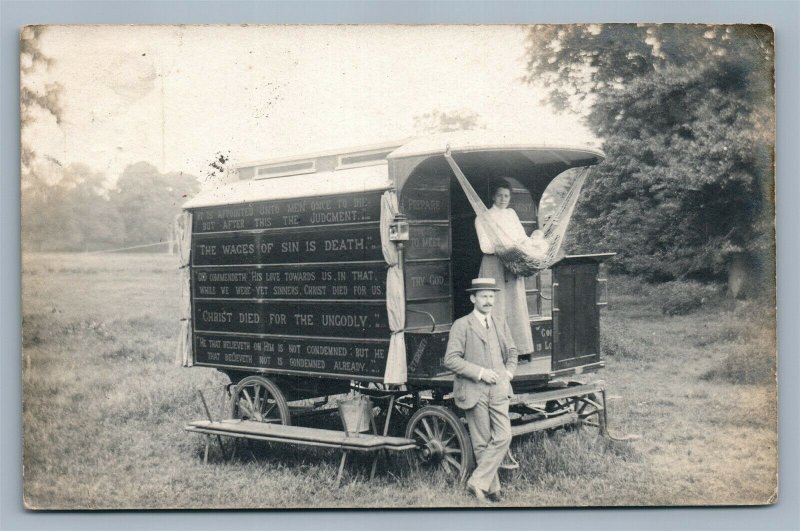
(511, 302)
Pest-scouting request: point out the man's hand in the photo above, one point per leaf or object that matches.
(489, 376)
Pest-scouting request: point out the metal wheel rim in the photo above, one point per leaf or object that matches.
(441, 443)
(589, 415)
(256, 398)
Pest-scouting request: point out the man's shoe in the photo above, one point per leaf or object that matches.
(494, 497)
(478, 493)
(509, 463)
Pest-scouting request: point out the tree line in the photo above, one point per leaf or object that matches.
(686, 116)
(81, 212)
(74, 208)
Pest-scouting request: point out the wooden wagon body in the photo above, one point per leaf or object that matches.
(288, 273)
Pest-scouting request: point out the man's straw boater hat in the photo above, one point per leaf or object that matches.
(479, 284)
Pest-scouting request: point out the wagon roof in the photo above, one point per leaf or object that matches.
(375, 175)
(539, 148)
(363, 179)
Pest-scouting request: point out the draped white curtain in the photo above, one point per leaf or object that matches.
(396, 370)
(183, 235)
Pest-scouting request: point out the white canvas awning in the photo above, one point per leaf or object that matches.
(541, 149)
(533, 158)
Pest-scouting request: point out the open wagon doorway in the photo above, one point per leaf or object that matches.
(421, 170)
(431, 195)
(485, 170)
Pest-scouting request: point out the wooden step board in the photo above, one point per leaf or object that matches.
(264, 431)
(556, 394)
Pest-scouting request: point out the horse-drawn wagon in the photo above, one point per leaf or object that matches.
(315, 276)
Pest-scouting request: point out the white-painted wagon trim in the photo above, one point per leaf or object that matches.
(353, 180)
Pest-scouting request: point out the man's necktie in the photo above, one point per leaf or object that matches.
(487, 323)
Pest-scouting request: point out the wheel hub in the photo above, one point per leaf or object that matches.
(433, 450)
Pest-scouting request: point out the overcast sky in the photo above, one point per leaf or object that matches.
(174, 96)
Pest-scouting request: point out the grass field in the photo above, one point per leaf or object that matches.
(105, 403)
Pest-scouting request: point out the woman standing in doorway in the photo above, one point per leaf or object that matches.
(510, 303)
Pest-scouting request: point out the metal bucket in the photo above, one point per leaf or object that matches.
(356, 414)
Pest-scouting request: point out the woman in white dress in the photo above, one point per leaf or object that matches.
(510, 303)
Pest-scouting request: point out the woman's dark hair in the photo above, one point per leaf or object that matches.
(496, 185)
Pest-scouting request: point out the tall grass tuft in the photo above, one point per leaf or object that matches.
(682, 297)
(572, 453)
(617, 341)
(747, 362)
(746, 337)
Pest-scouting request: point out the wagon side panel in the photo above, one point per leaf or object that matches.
(428, 271)
(292, 286)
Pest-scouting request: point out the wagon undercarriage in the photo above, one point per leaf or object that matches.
(403, 418)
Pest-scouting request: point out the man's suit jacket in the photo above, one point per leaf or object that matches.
(468, 352)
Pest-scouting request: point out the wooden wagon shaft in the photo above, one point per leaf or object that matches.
(558, 394)
(546, 424)
(219, 439)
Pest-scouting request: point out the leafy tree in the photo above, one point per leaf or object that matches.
(38, 100)
(686, 114)
(148, 201)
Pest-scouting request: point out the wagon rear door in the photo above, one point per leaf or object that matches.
(576, 311)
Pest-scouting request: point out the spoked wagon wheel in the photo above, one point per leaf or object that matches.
(443, 440)
(590, 412)
(257, 398)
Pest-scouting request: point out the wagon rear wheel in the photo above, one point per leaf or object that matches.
(443, 440)
(590, 412)
(259, 399)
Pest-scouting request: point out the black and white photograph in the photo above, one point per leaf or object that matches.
(398, 266)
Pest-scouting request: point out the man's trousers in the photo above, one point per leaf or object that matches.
(490, 431)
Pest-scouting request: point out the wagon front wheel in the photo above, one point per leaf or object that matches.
(442, 439)
(259, 399)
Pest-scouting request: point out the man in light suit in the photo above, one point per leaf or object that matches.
(482, 354)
